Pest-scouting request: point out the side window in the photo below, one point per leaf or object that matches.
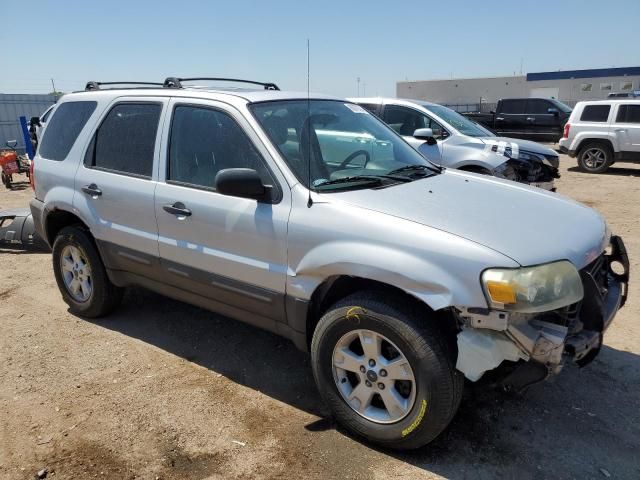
(538, 107)
(64, 128)
(514, 106)
(628, 114)
(404, 120)
(370, 107)
(438, 130)
(126, 139)
(46, 115)
(595, 113)
(204, 141)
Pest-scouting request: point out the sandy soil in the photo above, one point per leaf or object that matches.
(164, 390)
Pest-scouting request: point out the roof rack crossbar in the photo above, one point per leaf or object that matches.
(173, 82)
(97, 85)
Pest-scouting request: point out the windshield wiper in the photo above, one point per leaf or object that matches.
(412, 169)
(366, 179)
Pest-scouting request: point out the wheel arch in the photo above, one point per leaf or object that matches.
(337, 287)
(601, 140)
(57, 219)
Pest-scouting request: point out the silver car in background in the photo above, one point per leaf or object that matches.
(449, 139)
(311, 218)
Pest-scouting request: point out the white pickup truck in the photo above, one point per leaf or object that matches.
(600, 133)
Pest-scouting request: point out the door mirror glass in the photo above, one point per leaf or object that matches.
(240, 182)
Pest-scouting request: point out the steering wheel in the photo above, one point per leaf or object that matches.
(355, 155)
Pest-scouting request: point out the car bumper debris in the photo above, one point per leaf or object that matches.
(541, 343)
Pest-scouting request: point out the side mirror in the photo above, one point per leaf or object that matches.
(425, 134)
(240, 182)
(553, 111)
(35, 121)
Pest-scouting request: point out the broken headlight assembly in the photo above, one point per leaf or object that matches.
(533, 289)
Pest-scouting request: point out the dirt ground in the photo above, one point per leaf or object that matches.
(163, 390)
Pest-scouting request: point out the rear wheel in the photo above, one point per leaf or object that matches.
(385, 371)
(595, 158)
(81, 276)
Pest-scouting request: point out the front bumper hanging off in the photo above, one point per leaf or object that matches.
(537, 345)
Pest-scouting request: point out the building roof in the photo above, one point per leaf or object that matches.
(590, 73)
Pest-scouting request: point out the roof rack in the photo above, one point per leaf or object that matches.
(174, 82)
(96, 85)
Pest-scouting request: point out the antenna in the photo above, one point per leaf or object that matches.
(309, 201)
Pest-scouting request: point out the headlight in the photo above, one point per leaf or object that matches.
(533, 289)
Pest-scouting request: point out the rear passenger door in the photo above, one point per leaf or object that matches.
(115, 184)
(510, 120)
(627, 128)
(226, 249)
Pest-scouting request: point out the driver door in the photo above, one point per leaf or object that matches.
(227, 249)
(406, 120)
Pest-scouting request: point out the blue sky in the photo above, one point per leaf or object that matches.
(379, 41)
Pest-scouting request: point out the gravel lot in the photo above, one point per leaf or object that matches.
(165, 390)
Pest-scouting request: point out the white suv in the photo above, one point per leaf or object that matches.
(603, 132)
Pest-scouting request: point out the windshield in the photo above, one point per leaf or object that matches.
(460, 123)
(345, 145)
(561, 106)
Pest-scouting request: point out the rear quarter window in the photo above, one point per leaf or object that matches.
(63, 129)
(595, 113)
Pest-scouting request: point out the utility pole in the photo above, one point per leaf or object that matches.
(54, 86)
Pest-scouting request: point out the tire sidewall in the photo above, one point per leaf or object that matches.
(423, 420)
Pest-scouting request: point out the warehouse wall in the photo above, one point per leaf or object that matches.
(13, 106)
(491, 90)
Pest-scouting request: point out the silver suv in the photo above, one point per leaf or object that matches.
(600, 133)
(447, 138)
(311, 218)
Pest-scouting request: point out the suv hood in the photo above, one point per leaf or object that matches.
(527, 224)
(523, 145)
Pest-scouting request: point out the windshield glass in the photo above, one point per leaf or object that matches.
(561, 106)
(339, 140)
(460, 123)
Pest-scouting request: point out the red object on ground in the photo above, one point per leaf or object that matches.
(9, 163)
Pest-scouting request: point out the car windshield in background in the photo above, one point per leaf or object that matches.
(460, 123)
(345, 145)
(561, 106)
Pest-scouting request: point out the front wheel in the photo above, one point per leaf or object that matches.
(386, 372)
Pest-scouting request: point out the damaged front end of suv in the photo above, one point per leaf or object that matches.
(540, 317)
(537, 170)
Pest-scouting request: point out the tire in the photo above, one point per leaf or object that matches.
(101, 296)
(437, 386)
(595, 157)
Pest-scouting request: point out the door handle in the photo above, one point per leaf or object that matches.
(531, 119)
(621, 129)
(92, 190)
(177, 209)
(500, 119)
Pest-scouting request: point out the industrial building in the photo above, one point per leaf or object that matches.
(14, 106)
(569, 86)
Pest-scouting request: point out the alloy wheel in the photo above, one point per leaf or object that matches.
(373, 376)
